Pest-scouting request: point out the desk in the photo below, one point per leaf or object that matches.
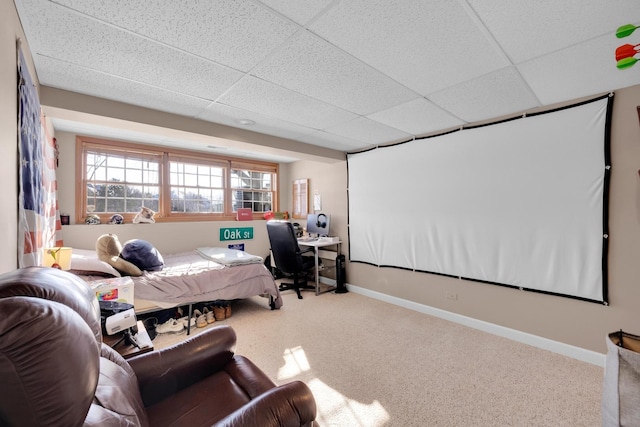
(317, 245)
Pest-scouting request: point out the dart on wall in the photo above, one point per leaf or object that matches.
(626, 54)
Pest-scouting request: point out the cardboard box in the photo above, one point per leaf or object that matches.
(114, 289)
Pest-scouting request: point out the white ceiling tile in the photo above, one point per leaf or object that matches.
(301, 11)
(426, 46)
(367, 131)
(528, 29)
(493, 95)
(237, 33)
(416, 117)
(324, 64)
(329, 140)
(81, 41)
(231, 116)
(315, 68)
(579, 71)
(69, 77)
(256, 95)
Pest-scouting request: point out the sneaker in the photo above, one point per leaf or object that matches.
(227, 311)
(185, 322)
(171, 325)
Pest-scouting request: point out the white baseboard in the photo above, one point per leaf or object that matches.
(578, 353)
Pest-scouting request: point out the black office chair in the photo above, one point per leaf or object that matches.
(288, 256)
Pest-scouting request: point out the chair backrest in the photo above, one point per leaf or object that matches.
(49, 353)
(52, 362)
(284, 246)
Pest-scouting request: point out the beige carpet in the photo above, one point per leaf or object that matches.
(371, 363)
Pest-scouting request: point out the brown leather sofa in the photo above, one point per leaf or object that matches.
(55, 370)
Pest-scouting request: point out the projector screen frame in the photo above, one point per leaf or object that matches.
(606, 142)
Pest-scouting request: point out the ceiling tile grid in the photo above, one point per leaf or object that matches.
(237, 33)
(312, 67)
(492, 95)
(259, 96)
(417, 117)
(79, 40)
(578, 71)
(368, 132)
(89, 82)
(340, 74)
(527, 29)
(300, 11)
(426, 46)
(332, 141)
(234, 117)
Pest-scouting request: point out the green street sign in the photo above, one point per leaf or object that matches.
(236, 233)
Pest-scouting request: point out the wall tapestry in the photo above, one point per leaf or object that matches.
(38, 215)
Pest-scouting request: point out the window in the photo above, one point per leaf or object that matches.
(196, 188)
(117, 177)
(251, 189)
(121, 182)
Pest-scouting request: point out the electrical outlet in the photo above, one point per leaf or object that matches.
(452, 295)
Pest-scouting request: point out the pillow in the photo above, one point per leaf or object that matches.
(86, 262)
(142, 254)
(108, 248)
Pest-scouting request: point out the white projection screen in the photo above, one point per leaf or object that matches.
(520, 203)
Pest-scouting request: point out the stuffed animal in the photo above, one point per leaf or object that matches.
(108, 248)
(145, 215)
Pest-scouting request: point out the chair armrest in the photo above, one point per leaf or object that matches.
(163, 372)
(291, 404)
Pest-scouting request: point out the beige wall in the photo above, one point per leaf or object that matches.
(10, 31)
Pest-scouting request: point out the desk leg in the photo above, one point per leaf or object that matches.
(315, 255)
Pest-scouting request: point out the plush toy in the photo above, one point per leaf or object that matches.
(108, 248)
(145, 215)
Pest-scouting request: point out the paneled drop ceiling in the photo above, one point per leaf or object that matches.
(345, 75)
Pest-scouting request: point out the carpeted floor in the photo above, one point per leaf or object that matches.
(370, 363)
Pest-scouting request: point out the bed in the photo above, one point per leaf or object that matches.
(201, 275)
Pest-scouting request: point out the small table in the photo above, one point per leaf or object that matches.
(316, 245)
(127, 350)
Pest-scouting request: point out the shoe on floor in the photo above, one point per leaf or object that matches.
(218, 312)
(201, 320)
(185, 322)
(208, 314)
(227, 311)
(171, 325)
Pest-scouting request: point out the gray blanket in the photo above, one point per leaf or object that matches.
(188, 278)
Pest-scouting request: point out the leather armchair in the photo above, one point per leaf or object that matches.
(55, 370)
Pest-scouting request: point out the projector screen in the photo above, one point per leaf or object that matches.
(521, 203)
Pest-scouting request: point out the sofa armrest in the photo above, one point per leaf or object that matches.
(163, 372)
(291, 404)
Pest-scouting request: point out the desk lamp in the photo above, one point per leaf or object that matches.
(59, 257)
